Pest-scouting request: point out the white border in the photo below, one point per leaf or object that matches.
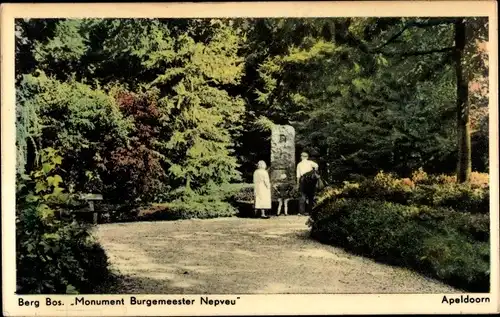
(247, 304)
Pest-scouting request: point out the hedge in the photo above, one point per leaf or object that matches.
(439, 242)
(174, 210)
(435, 191)
(200, 209)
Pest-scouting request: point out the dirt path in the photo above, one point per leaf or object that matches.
(244, 256)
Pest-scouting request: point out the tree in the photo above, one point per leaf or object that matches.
(200, 117)
(363, 93)
(29, 32)
(356, 107)
(193, 64)
(464, 167)
(464, 53)
(134, 171)
(82, 123)
(399, 71)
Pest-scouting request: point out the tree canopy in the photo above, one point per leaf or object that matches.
(160, 107)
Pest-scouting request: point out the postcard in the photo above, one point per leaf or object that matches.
(264, 158)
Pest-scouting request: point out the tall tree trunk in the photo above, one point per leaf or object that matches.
(464, 164)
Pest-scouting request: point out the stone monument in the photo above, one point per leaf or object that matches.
(282, 162)
(282, 154)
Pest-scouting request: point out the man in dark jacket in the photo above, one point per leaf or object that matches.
(307, 178)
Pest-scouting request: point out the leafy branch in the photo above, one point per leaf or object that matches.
(349, 37)
(429, 23)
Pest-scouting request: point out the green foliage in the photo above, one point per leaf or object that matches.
(439, 242)
(28, 129)
(65, 49)
(245, 194)
(428, 222)
(201, 117)
(28, 33)
(196, 117)
(200, 208)
(358, 97)
(215, 201)
(227, 192)
(422, 189)
(461, 197)
(82, 123)
(53, 256)
(190, 206)
(264, 124)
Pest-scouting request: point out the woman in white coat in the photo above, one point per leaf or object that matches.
(262, 189)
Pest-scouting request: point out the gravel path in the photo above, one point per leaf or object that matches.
(244, 256)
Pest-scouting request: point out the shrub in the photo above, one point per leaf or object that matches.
(245, 194)
(214, 201)
(460, 197)
(444, 179)
(419, 176)
(437, 241)
(201, 207)
(437, 191)
(84, 123)
(481, 180)
(356, 178)
(227, 192)
(383, 186)
(330, 193)
(459, 261)
(53, 256)
(477, 180)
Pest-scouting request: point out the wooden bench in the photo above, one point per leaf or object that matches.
(90, 199)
